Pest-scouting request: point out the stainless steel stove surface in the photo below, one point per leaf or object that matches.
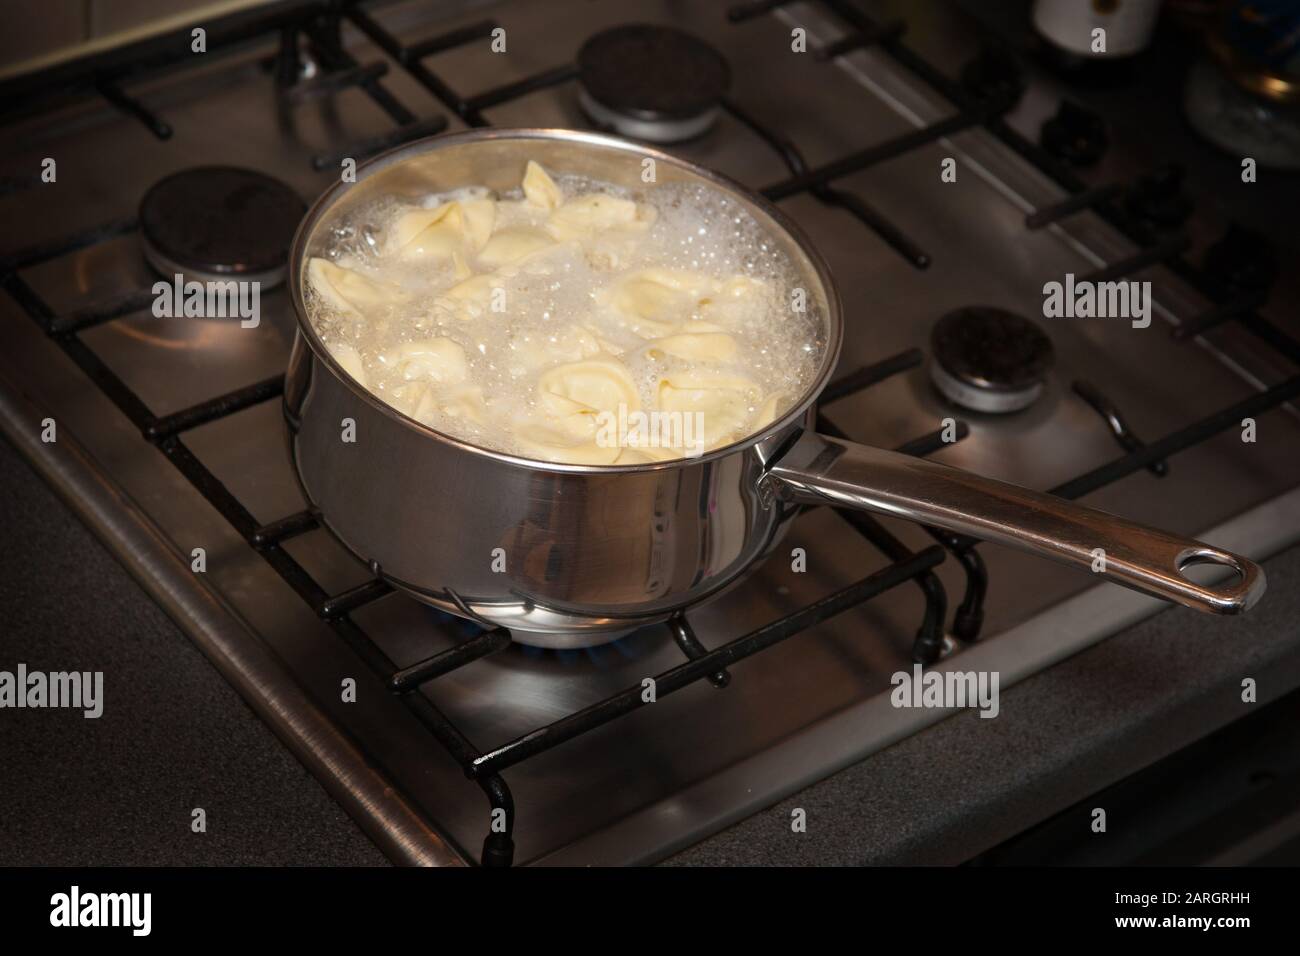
(660, 776)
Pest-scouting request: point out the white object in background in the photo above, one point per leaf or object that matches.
(1070, 24)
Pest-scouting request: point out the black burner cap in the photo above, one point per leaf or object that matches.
(220, 221)
(991, 349)
(652, 72)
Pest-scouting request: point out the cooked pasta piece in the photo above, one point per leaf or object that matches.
(540, 189)
(721, 398)
(439, 360)
(348, 291)
(512, 245)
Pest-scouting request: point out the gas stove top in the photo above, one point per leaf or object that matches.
(170, 436)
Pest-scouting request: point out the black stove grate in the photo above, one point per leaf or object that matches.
(319, 23)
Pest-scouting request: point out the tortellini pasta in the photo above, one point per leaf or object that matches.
(444, 231)
(653, 302)
(512, 245)
(425, 403)
(470, 298)
(589, 215)
(703, 342)
(539, 188)
(721, 399)
(350, 292)
(586, 377)
(466, 403)
(438, 360)
(349, 360)
(531, 352)
(574, 394)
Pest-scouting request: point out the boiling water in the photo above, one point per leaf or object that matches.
(687, 307)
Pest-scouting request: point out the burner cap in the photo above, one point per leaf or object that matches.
(220, 222)
(652, 83)
(989, 360)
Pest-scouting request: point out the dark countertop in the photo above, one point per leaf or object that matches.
(120, 789)
(174, 736)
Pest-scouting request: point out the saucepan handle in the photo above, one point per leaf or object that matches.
(826, 471)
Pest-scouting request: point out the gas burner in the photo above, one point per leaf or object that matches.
(220, 222)
(989, 360)
(651, 83)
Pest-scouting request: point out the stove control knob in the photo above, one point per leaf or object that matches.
(1075, 134)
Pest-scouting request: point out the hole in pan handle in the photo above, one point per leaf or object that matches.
(826, 471)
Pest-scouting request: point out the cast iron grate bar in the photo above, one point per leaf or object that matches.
(690, 645)
(1216, 316)
(98, 372)
(102, 312)
(449, 41)
(220, 407)
(869, 375)
(211, 487)
(414, 67)
(469, 109)
(284, 528)
(928, 444)
(674, 679)
(331, 53)
(1182, 439)
(479, 646)
(55, 248)
(498, 846)
(335, 81)
(1142, 259)
(1116, 422)
(529, 84)
(1086, 199)
(893, 236)
(889, 149)
(134, 108)
(26, 297)
(891, 30)
(354, 598)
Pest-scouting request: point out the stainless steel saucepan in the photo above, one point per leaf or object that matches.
(575, 555)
